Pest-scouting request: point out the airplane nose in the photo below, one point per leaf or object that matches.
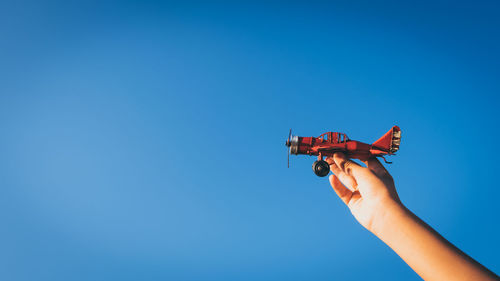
(294, 145)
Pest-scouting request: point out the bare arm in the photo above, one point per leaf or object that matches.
(370, 194)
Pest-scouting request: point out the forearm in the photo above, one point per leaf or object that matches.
(424, 250)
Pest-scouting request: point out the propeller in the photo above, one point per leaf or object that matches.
(288, 143)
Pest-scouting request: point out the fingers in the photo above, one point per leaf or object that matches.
(344, 194)
(346, 179)
(348, 166)
(376, 167)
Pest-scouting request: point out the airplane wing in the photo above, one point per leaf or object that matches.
(328, 149)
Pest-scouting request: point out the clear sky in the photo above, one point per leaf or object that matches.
(145, 141)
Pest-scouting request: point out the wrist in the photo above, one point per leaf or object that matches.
(387, 219)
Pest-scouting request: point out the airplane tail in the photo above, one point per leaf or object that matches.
(388, 142)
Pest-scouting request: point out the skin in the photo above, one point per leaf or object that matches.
(370, 194)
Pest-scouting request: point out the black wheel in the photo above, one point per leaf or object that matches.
(321, 168)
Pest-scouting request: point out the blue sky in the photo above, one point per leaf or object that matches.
(144, 140)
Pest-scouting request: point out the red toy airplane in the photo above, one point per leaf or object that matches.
(329, 143)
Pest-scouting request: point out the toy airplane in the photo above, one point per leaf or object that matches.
(329, 143)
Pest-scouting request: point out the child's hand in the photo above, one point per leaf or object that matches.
(369, 192)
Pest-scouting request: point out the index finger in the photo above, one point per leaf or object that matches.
(348, 166)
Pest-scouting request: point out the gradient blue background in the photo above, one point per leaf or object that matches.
(145, 141)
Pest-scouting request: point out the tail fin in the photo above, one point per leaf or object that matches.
(389, 142)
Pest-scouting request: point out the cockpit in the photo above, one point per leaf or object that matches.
(333, 137)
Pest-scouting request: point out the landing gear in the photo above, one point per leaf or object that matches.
(321, 168)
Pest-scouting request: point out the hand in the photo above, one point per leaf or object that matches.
(370, 194)
(369, 191)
